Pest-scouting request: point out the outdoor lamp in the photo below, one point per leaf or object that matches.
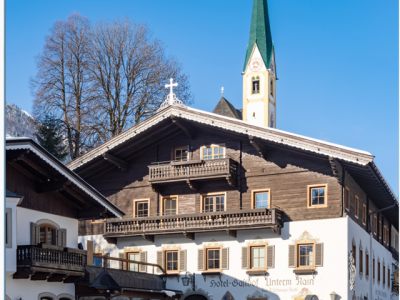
(333, 296)
(186, 279)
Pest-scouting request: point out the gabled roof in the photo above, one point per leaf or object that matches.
(12, 195)
(260, 33)
(42, 160)
(358, 163)
(225, 108)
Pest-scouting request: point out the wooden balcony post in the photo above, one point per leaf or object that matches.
(89, 248)
(273, 215)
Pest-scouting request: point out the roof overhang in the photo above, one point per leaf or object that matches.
(31, 145)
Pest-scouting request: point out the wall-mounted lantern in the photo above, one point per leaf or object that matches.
(333, 295)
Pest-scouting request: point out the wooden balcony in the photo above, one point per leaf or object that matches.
(189, 224)
(193, 172)
(51, 263)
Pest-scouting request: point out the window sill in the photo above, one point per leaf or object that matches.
(256, 272)
(211, 273)
(304, 271)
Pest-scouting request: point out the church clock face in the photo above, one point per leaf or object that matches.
(256, 64)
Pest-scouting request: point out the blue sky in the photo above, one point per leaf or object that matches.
(337, 61)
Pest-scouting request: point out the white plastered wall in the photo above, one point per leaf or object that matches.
(280, 282)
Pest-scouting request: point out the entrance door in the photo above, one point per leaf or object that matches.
(196, 297)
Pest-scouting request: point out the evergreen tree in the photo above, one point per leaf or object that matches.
(49, 137)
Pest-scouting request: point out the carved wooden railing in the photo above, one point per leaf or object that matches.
(49, 256)
(214, 221)
(192, 169)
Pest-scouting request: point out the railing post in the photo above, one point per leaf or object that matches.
(273, 215)
(89, 249)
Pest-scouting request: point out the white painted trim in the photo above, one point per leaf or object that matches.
(38, 153)
(47, 294)
(47, 221)
(65, 295)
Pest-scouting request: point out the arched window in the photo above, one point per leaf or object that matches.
(255, 85)
(271, 88)
(47, 296)
(47, 234)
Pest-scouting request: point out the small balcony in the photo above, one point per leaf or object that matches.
(189, 224)
(193, 172)
(51, 263)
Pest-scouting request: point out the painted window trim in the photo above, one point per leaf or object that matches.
(256, 78)
(47, 294)
(313, 186)
(127, 255)
(380, 230)
(347, 200)
(165, 260)
(212, 194)
(141, 200)
(64, 295)
(250, 257)
(356, 207)
(163, 198)
(253, 198)
(206, 269)
(298, 256)
(364, 216)
(375, 224)
(187, 147)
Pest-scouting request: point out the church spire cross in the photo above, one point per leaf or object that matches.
(171, 86)
(222, 90)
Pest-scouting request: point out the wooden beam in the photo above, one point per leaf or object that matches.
(121, 164)
(37, 167)
(23, 274)
(231, 181)
(111, 240)
(277, 230)
(76, 195)
(41, 275)
(192, 184)
(57, 277)
(335, 169)
(69, 201)
(13, 155)
(92, 213)
(189, 235)
(24, 171)
(52, 186)
(89, 255)
(258, 146)
(72, 279)
(232, 233)
(188, 130)
(149, 238)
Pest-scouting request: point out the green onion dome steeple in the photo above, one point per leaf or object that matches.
(260, 33)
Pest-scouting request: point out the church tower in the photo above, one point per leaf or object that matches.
(259, 73)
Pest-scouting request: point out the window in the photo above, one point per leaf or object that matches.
(133, 256)
(379, 271)
(305, 255)
(257, 257)
(213, 259)
(375, 224)
(8, 228)
(181, 154)
(356, 206)
(380, 229)
(354, 254)
(271, 88)
(366, 264)
(384, 275)
(47, 234)
(171, 261)
(361, 268)
(364, 214)
(347, 198)
(170, 206)
(260, 199)
(213, 152)
(97, 261)
(141, 208)
(317, 196)
(214, 203)
(373, 269)
(255, 85)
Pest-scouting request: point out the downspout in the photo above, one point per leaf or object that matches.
(370, 244)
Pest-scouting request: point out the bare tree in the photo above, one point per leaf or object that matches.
(130, 69)
(62, 85)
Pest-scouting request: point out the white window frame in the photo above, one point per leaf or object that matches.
(212, 145)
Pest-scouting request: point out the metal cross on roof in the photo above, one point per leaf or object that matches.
(171, 91)
(222, 90)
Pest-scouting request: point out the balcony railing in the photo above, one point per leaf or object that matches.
(200, 222)
(49, 256)
(195, 169)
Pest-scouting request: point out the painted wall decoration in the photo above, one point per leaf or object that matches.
(171, 245)
(272, 116)
(305, 237)
(228, 296)
(257, 295)
(302, 294)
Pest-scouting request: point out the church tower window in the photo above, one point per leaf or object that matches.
(271, 88)
(256, 85)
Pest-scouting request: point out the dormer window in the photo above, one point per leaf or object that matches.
(255, 85)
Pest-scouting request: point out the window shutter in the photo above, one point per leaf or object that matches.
(121, 263)
(62, 237)
(182, 261)
(225, 258)
(160, 261)
(35, 234)
(143, 258)
(200, 259)
(292, 256)
(245, 257)
(319, 254)
(270, 257)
